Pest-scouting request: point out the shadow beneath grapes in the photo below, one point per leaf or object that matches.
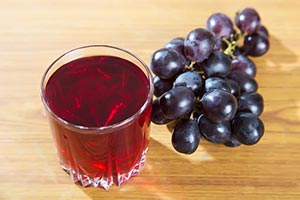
(278, 55)
(278, 73)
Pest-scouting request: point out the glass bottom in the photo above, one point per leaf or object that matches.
(106, 182)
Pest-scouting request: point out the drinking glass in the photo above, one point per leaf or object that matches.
(106, 154)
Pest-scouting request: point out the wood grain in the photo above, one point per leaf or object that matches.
(34, 33)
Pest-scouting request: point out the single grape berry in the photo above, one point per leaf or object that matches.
(186, 136)
(234, 87)
(177, 102)
(248, 20)
(177, 44)
(157, 116)
(243, 63)
(218, 105)
(256, 44)
(220, 24)
(161, 86)
(213, 83)
(246, 83)
(190, 79)
(232, 142)
(218, 44)
(251, 102)
(263, 31)
(215, 132)
(238, 51)
(166, 63)
(217, 64)
(198, 44)
(247, 128)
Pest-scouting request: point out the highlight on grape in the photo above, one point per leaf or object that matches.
(205, 83)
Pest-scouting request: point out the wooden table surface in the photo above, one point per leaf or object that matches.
(34, 33)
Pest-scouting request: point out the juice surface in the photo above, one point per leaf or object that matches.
(97, 91)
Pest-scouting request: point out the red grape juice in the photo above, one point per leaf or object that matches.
(94, 92)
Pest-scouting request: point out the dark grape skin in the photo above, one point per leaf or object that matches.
(199, 44)
(166, 63)
(217, 64)
(218, 44)
(243, 63)
(157, 116)
(256, 44)
(247, 128)
(220, 24)
(217, 133)
(238, 51)
(177, 44)
(161, 86)
(190, 79)
(232, 142)
(213, 83)
(246, 83)
(248, 20)
(177, 102)
(186, 136)
(234, 87)
(218, 105)
(263, 31)
(251, 102)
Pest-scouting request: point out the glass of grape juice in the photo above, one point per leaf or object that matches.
(98, 99)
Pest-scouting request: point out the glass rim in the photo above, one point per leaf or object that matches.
(114, 126)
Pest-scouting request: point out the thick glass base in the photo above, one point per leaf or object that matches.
(106, 182)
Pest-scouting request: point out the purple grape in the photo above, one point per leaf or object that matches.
(157, 116)
(213, 83)
(251, 102)
(218, 44)
(234, 87)
(199, 44)
(166, 63)
(190, 79)
(256, 44)
(263, 31)
(232, 142)
(248, 20)
(238, 51)
(218, 105)
(247, 128)
(246, 83)
(186, 136)
(220, 24)
(177, 102)
(161, 86)
(217, 133)
(217, 64)
(177, 44)
(243, 63)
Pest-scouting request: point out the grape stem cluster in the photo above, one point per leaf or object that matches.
(232, 43)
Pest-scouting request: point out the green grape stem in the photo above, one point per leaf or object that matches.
(232, 43)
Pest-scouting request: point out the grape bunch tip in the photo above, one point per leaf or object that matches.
(205, 83)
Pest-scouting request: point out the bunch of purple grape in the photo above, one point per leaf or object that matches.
(205, 84)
